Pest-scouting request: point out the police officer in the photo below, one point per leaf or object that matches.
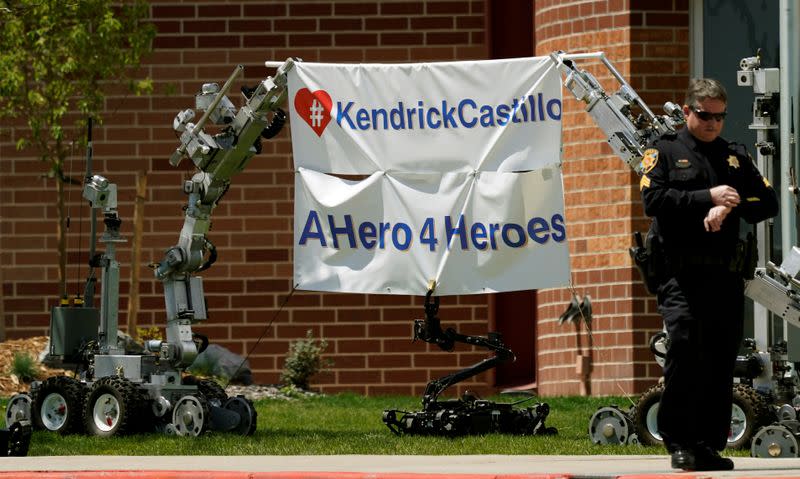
(697, 186)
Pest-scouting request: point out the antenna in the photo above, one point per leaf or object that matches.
(88, 292)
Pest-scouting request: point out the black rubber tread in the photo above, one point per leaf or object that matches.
(646, 401)
(18, 440)
(72, 390)
(754, 406)
(212, 391)
(756, 410)
(247, 412)
(131, 405)
(209, 388)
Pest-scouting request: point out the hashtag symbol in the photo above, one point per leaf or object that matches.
(316, 113)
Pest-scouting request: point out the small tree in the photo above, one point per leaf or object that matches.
(304, 360)
(57, 57)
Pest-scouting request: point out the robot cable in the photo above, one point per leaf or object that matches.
(263, 333)
(69, 216)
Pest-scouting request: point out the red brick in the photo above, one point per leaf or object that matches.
(446, 38)
(296, 25)
(333, 24)
(267, 10)
(309, 9)
(174, 11)
(356, 39)
(164, 27)
(405, 376)
(248, 25)
(401, 39)
(384, 361)
(203, 26)
(174, 42)
(218, 41)
(219, 11)
(438, 8)
(402, 8)
(471, 22)
(388, 23)
(355, 9)
(266, 255)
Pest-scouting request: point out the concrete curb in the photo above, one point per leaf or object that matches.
(381, 467)
(150, 474)
(266, 475)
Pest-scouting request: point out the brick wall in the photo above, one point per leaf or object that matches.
(647, 42)
(369, 335)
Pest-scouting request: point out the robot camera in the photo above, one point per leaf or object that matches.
(744, 78)
(100, 193)
(223, 112)
(750, 63)
(747, 65)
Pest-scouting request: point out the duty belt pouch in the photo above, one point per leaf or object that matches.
(750, 257)
(647, 257)
(745, 257)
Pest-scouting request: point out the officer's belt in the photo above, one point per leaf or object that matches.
(701, 260)
(679, 263)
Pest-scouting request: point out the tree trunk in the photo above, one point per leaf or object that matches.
(136, 252)
(2, 311)
(62, 238)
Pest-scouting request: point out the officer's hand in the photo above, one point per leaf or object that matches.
(715, 217)
(724, 195)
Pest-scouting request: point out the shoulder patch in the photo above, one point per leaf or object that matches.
(644, 182)
(649, 160)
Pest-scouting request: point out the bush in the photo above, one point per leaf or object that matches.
(145, 334)
(24, 367)
(304, 360)
(204, 367)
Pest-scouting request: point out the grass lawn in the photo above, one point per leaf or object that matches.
(350, 424)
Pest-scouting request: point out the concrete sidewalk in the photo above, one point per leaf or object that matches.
(376, 467)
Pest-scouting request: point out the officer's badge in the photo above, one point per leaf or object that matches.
(644, 183)
(649, 160)
(766, 183)
(683, 163)
(733, 161)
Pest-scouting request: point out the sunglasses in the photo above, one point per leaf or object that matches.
(707, 116)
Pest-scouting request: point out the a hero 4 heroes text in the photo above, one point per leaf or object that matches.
(454, 233)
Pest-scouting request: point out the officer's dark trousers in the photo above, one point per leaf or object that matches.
(703, 314)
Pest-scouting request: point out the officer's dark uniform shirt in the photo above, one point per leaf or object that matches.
(678, 172)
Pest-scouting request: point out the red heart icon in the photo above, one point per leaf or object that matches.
(314, 108)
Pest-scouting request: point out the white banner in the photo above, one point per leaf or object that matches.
(412, 173)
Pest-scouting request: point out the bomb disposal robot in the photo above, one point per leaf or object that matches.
(117, 391)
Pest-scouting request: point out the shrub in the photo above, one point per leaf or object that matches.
(205, 367)
(304, 360)
(24, 366)
(145, 334)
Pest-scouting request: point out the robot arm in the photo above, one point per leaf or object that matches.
(777, 288)
(430, 331)
(217, 158)
(628, 134)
